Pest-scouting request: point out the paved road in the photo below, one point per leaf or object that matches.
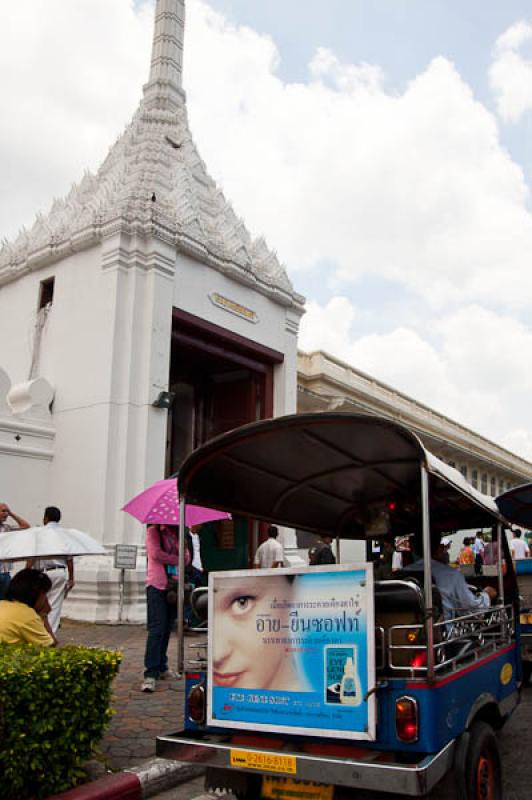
(140, 717)
(515, 742)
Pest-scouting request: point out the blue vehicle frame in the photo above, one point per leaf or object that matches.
(443, 686)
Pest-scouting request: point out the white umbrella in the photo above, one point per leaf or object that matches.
(47, 541)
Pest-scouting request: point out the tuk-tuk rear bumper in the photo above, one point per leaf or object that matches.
(375, 770)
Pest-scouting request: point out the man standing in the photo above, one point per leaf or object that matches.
(269, 553)
(59, 570)
(321, 552)
(518, 547)
(5, 513)
(478, 548)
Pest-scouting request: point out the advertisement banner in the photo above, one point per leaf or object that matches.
(293, 650)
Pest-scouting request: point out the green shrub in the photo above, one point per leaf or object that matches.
(54, 708)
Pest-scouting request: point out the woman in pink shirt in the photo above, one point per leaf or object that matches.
(162, 549)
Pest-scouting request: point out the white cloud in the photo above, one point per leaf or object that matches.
(410, 187)
(70, 79)
(511, 73)
(413, 187)
(476, 374)
(328, 327)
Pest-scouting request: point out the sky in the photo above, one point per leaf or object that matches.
(383, 148)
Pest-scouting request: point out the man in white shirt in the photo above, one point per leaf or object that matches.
(478, 548)
(518, 547)
(456, 597)
(270, 553)
(59, 570)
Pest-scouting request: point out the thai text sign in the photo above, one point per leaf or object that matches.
(293, 650)
(125, 556)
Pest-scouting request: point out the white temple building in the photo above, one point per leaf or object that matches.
(138, 318)
(141, 281)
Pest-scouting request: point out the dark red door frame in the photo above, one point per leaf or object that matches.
(185, 324)
(196, 333)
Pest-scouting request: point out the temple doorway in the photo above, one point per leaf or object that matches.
(220, 381)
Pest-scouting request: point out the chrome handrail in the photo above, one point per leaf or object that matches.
(484, 631)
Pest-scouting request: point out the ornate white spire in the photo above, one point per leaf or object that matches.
(154, 183)
(164, 88)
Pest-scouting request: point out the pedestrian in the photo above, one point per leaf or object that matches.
(466, 557)
(59, 570)
(24, 611)
(5, 527)
(478, 547)
(194, 573)
(491, 553)
(321, 552)
(518, 547)
(385, 564)
(269, 553)
(446, 546)
(162, 551)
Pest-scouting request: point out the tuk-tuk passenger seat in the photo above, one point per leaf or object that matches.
(401, 602)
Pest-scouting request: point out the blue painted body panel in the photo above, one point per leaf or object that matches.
(523, 566)
(444, 707)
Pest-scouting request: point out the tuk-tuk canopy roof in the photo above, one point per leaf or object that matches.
(516, 505)
(336, 474)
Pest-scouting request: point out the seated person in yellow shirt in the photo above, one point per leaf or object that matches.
(23, 612)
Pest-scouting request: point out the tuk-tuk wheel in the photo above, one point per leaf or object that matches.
(478, 775)
(240, 785)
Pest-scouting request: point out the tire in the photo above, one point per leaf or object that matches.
(477, 765)
(241, 785)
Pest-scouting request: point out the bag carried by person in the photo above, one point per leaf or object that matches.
(171, 579)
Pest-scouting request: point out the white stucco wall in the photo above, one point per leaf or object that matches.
(276, 325)
(105, 348)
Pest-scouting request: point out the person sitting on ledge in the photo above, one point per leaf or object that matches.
(24, 611)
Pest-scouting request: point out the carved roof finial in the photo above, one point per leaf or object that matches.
(165, 86)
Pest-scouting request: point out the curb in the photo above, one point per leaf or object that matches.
(148, 779)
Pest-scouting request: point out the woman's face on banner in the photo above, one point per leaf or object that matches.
(240, 657)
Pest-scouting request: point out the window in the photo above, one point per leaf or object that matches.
(474, 479)
(463, 470)
(46, 293)
(484, 483)
(493, 486)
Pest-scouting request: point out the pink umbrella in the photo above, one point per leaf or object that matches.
(159, 505)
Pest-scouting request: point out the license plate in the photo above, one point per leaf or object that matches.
(272, 762)
(289, 789)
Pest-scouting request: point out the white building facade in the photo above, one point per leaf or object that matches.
(326, 383)
(141, 281)
(138, 319)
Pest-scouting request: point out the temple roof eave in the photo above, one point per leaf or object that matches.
(26, 262)
(153, 182)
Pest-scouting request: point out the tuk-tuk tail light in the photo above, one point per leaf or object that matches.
(197, 704)
(407, 719)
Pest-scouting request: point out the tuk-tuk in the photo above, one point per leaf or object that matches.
(315, 679)
(516, 505)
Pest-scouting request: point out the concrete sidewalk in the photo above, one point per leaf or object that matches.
(139, 717)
